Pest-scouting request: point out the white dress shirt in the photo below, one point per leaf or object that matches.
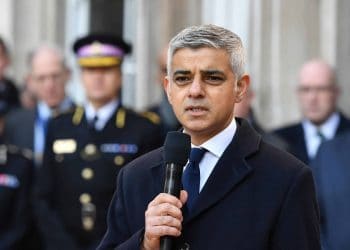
(328, 129)
(103, 114)
(44, 113)
(215, 147)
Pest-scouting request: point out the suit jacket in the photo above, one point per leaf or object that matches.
(295, 137)
(19, 128)
(257, 197)
(15, 188)
(332, 174)
(9, 96)
(76, 181)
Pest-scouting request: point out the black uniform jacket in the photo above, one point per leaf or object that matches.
(76, 182)
(16, 170)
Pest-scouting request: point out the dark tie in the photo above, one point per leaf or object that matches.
(191, 176)
(321, 135)
(92, 123)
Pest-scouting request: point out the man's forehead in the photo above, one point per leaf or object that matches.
(202, 71)
(193, 50)
(316, 72)
(203, 59)
(316, 79)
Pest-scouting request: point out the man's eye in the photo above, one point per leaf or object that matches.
(214, 79)
(182, 79)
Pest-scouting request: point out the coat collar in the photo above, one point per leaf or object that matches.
(231, 168)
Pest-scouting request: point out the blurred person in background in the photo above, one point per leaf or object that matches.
(87, 147)
(163, 110)
(332, 175)
(244, 109)
(9, 98)
(47, 78)
(317, 94)
(27, 96)
(16, 177)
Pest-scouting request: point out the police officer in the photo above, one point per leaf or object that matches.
(15, 187)
(87, 147)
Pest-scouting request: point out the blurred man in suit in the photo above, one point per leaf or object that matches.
(332, 175)
(245, 194)
(244, 109)
(167, 118)
(318, 93)
(26, 128)
(48, 76)
(87, 147)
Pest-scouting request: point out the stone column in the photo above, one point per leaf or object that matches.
(34, 22)
(6, 25)
(342, 46)
(149, 24)
(283, 34)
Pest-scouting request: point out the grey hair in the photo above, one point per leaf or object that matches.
(47, 47)
(210, 36)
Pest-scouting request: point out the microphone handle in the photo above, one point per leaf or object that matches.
(166, 243)
(173, 174)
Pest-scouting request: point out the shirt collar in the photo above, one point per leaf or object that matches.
(103, 113)
(45, 112)
(217, 144)
(328, 128)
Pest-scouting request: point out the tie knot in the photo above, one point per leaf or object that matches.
(196, 154)
(320, 135)
(92, 122)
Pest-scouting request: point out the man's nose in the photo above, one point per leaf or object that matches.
(196, 87)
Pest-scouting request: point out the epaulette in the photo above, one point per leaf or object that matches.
(78, 115)
(152, 116)
(120, 118)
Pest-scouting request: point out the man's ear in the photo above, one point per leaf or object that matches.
(242, 87)
(166, 86)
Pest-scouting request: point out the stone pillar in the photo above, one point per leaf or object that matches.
(40, 20)
(283, 34)
(6, 25)
(342, 46)
(76, 25)
(149, 24)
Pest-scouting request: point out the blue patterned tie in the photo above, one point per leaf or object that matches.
(191, 176)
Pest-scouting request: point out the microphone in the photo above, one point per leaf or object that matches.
(177, 148)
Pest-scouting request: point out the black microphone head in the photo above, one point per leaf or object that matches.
(177, 148)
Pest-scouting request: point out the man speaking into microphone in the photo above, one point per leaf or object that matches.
(239, 192)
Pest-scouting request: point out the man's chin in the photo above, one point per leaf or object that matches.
(317, 120)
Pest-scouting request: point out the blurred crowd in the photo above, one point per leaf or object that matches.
(59, 160)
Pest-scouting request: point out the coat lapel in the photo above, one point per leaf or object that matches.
(158, 174)
(300, 143)
(230, 170)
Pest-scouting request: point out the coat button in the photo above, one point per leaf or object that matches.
(90, 149)
(85, 198)
(119, 160)
(87, 173)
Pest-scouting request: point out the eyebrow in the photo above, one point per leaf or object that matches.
(212, 72)
(204, 72)
(182, 72)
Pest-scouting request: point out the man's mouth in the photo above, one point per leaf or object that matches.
(196, 110)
